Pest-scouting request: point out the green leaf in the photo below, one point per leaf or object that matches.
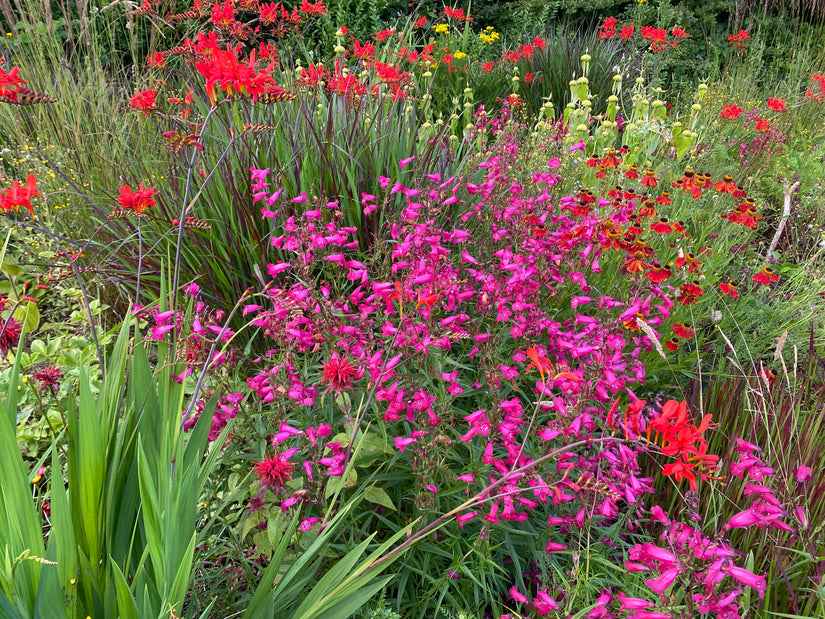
(29, 315)
(378, 496)
(11, 267)
(334, 483)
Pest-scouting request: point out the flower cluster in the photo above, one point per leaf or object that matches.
(16, 196)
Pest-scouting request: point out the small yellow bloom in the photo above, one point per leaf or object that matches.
(459, 55)
(441, 28)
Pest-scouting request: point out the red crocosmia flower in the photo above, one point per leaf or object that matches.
(429, 300)
(654, 34)
(223, 16)
(421, 22)
(542, 364)
(650, 179)
(738, 39)
(312, 9)
(679, 32)
(144, 101)
(631, 416)
(10, 84)
(726, 185)
(539, 43)
(487, 66)
(156, 60)
(627, 32)
(608, 24)
(339, 373)
(275, 471)
(777, 105)
(762, 124)
(384, 34)
(681, 470)
(729, 289)
(363, 52)
(16, 196)
(528, 78)
(768, 375)
(730, 111)
(608, 28)
(672, 345)
(683, 331)
(456, 14)
(766, 277)
(137, 201)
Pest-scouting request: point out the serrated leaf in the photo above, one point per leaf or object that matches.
(379, 496)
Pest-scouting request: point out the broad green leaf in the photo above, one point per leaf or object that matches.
(378, 496)
(29, 315)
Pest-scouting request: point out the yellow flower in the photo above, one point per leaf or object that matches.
(442, 28)
(459, 55)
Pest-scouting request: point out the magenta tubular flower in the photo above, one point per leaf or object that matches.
(747, 578)
(664, 580)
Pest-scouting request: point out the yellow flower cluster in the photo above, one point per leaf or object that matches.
(441, 28)
(489, 36)
(459, 55)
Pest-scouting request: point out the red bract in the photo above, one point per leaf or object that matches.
(10, 330)
(275, 471)
(339, 373)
